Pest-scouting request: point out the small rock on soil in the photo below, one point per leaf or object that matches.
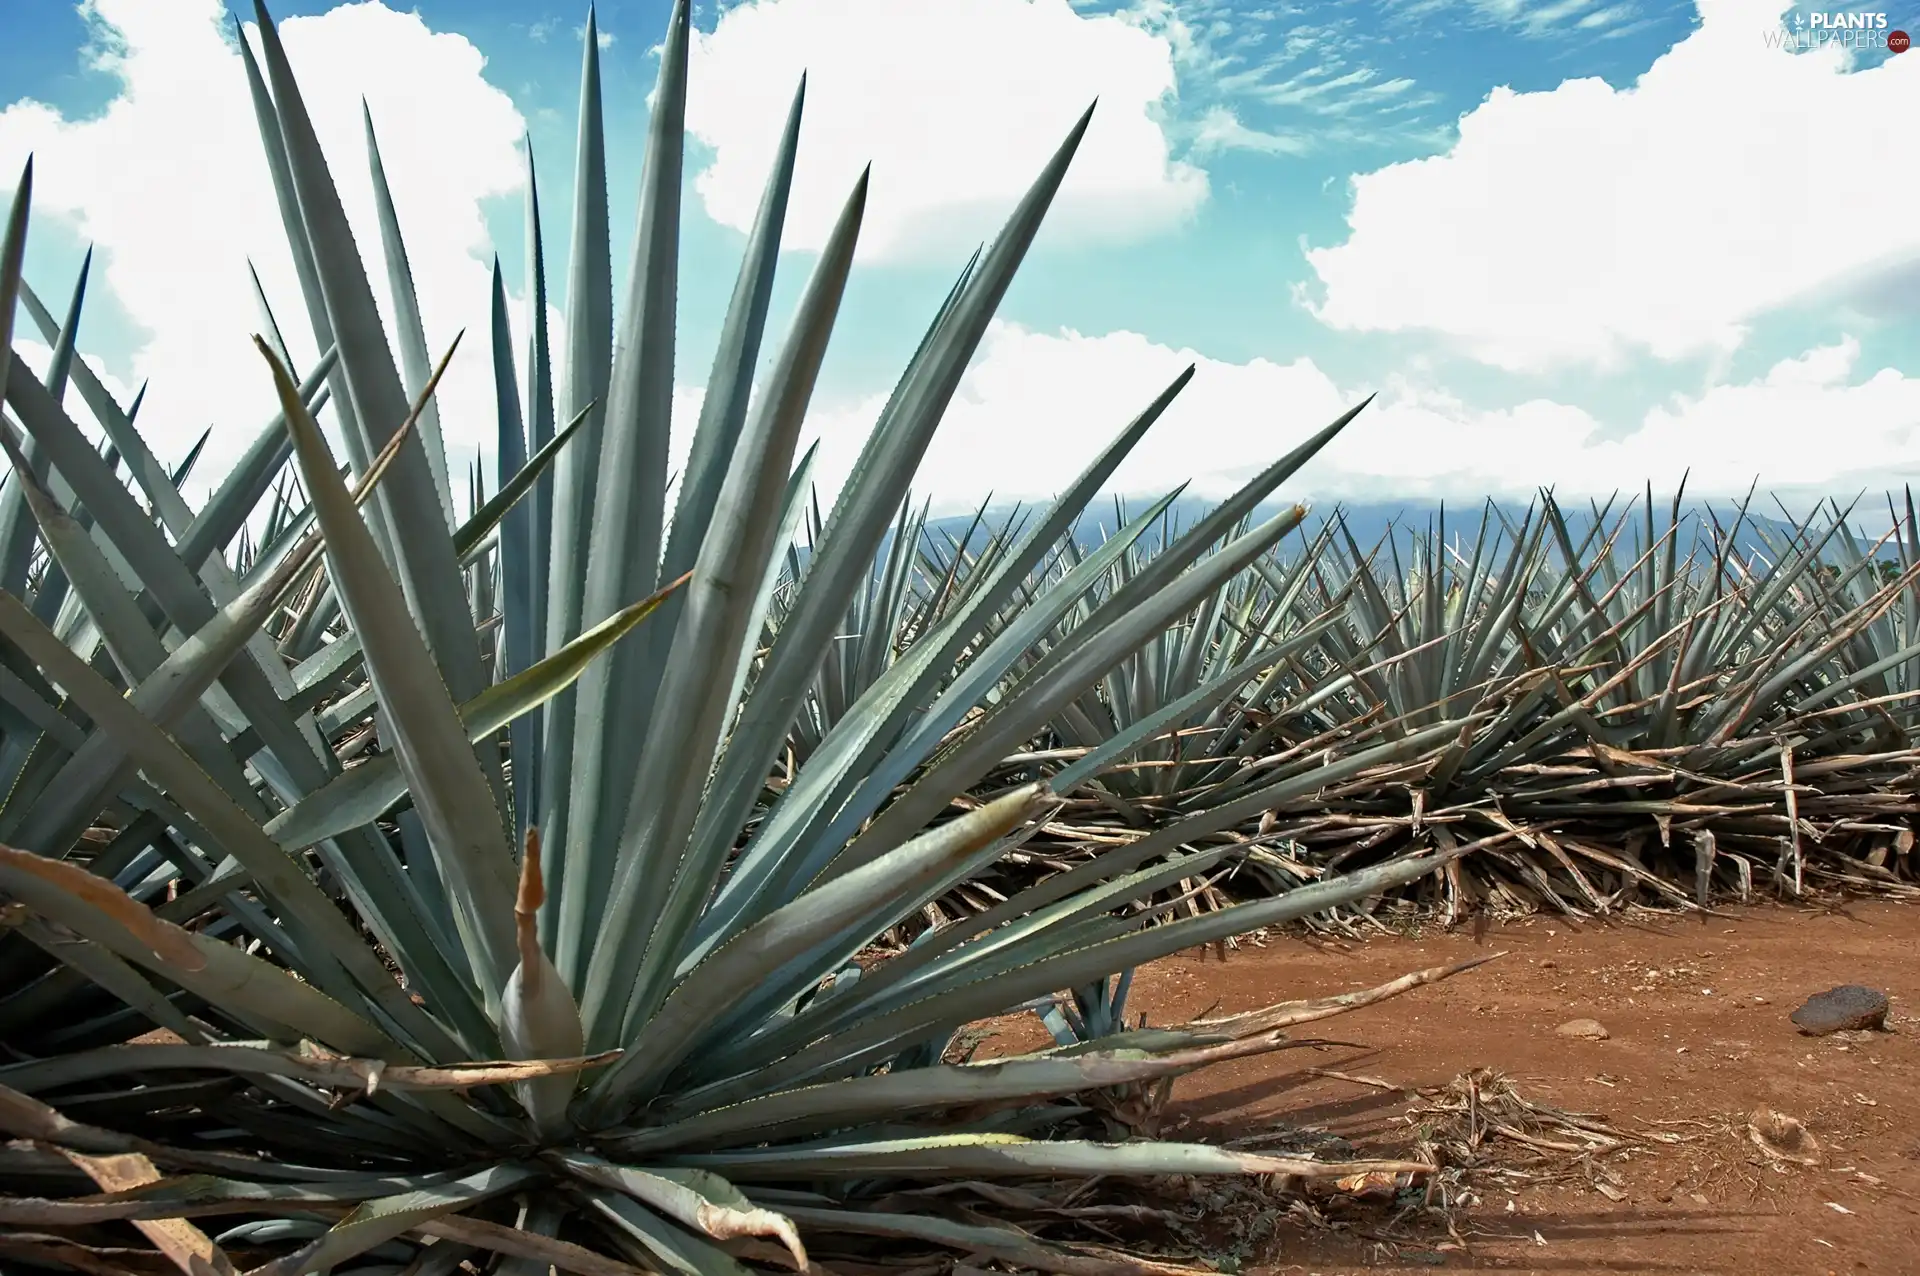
(1585, 1029)
(1848, 1008)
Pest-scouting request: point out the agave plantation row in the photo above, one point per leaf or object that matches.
(495, 872)
(1620, 704)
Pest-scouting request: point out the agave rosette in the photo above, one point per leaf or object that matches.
(622, 1052)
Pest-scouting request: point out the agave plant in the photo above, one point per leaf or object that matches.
(590, 998)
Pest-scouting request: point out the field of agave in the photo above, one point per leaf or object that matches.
(598, 878)
(1607, 706)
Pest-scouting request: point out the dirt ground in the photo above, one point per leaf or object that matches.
(1699, 1037)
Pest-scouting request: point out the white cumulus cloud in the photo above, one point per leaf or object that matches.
(956, 103)
(171, 186)
(1036, 405)
(1584, 224)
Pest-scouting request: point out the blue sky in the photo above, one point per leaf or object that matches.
(1586, 243)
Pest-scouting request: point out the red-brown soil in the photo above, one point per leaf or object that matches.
(1699, 1038)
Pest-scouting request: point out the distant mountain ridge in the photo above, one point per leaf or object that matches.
(1370, 523)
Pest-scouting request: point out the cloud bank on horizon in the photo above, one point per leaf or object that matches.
(1580, 228)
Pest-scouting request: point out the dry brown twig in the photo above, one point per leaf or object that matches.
(1479, 1128)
